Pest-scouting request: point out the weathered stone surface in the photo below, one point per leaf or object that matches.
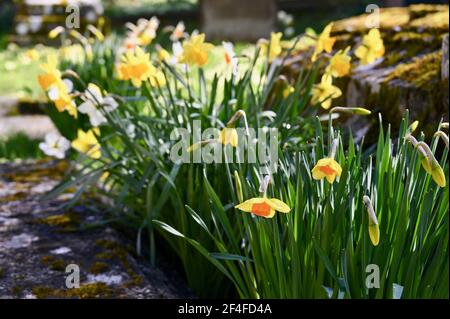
(34, 126)
(38, 240)
(409, 76)
(238, 20)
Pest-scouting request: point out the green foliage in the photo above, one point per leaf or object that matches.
(19, 146)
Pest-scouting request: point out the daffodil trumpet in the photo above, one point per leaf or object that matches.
(263, 206)
(374, 230)
(327, 167)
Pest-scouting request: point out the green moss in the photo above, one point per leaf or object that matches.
(67, 222)
(2, 273)
(86, 291)
(54, 263)
(115, 251)
(98, 267)
(420, 71)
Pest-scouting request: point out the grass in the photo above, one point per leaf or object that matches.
(18, 75)
(19, 146)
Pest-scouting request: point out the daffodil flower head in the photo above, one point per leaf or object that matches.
(196, 50)
(374, 230)
(86, 142)
(55, 145)
(59, 93)
(327, 168)
(229, 135)
(263, 206)
(324, 42)
(51, 73)
(371, 48)
(340, 63)
(325, 91)
(136, 66)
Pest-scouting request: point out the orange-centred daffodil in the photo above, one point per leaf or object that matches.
(136, 66)
(59, 93)
(327, 168)
(371, 48)
(325, 91)
(339, 63)
(324, 42)
(86, 142)
(51, 73)
(196, 50)
(263, 206)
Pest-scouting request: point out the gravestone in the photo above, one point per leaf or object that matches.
(35, 18)
(238, 20)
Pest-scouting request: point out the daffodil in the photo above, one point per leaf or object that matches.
(32, 54)
(374, 230)
(339, 63)
(327, 168)
(59, 93)
(55, 145)
(325, 91)
(163, 55)
(229, 135)
(55, 32)
(371, 48)
(429, 162)
(196, 50)
(93, 98)
(230, 57)
(263, 206)
(178, 32)
(86, 142)
(324, 42)
(51, 73)
(288, 90)
(136, 66)
(435, 170)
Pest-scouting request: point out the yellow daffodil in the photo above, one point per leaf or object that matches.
(136, 66)
(196, 50)
(327, 168)
(371, 48)
(324, 42)
(413, 126)
(55, 32)
(264, 207)
(325, 91)
(163, 55)
(275, 45)
(339, 63)
(32, 54)
(374, 230)
(288, 90)
(435, 170)
(51, 74)
(229, 135)
(87, 143)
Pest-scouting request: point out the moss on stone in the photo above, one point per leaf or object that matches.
(53, 263)
(86, 291)
(420, 71)
(2, 272)
(98, 267)
(16, 290)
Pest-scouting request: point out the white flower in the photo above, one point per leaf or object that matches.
(230, 57)
(94, 97)
(177, 50)
(178, 32)
(55, 145)
(131, 130)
